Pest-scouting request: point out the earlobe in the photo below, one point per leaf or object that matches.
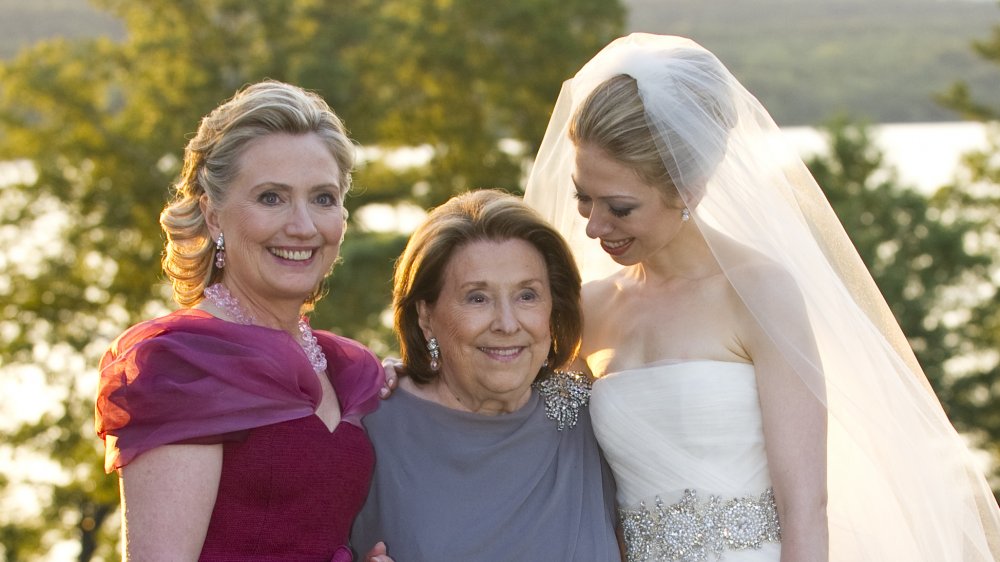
(211, 217)
(423, 319)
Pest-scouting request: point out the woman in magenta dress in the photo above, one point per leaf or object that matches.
(236, 429)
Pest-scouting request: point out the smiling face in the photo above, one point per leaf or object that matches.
(283, 220)
(632, 220)
(491, 320)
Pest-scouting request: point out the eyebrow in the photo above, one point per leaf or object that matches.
(481, 284)
(607, 197)
(280, 185)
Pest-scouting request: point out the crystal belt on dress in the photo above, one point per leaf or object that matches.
(690, 530)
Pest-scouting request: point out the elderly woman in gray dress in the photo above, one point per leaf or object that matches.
(485, 452)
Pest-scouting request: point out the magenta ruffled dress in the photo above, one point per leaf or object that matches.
(290, 487)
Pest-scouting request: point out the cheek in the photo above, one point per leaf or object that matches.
(334, 232)
(458, 327)
(540, 326)
(244, 224)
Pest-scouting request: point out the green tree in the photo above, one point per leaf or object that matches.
(925, 260)
(975, 196)
(102, 125)
(462, 76)
(961, 99)
(473, 83)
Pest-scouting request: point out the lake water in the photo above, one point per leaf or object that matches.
(925, 155)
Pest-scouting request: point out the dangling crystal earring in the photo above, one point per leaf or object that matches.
(435, 350)
(685, 214)
(220, 252)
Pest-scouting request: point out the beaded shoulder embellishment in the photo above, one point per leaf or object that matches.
(564, 392)
(694, 529)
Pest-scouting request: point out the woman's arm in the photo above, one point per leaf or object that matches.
(168, 494)
(795, 430)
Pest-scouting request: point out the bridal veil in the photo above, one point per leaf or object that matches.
(902, 484)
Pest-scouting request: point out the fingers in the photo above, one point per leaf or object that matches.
(389, 365)
(378, 553)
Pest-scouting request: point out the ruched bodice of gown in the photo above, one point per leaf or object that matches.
(676, 426)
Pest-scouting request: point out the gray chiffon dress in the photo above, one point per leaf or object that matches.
(452, 485)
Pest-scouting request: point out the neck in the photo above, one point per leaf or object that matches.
(451, 395)
(220, 298)
(688, 256)
(269, 314)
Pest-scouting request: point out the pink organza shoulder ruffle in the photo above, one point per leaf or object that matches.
(191, 377)
(357, 375)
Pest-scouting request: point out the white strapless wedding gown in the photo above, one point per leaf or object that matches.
(686, 445)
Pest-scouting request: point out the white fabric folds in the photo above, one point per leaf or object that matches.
(902, 484)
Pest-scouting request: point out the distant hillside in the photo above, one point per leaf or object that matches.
(23, 22)
(807, 60)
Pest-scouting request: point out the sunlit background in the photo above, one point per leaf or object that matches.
(894, 104)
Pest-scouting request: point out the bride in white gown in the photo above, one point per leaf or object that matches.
(755, 398)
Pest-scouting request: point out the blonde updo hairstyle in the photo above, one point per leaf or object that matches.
(673, 133)
(613, 119)
(211, 162)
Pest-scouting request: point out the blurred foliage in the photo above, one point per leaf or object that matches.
(805, 59)
(959, 97)
(103, 124)
(973, 394)
(936, 259)
(922, 253)
(975, 196)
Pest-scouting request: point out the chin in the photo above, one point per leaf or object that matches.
(624, 260)
(296, 290)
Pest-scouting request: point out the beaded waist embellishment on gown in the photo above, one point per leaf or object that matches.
(691, 530)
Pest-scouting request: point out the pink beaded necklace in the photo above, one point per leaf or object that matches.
(220, 296)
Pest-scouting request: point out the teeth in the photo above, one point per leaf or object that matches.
(507, 352)
(295, 255)
(614, 245)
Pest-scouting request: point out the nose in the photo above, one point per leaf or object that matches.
(301, 223)
(505, 318)
(597, 225)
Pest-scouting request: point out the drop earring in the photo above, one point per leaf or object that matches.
(220, 252)
(435, 350)
(685, 214)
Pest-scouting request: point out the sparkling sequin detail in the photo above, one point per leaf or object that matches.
(692, 530)
(564, 392)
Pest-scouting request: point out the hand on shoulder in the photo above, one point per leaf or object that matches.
(391, 366)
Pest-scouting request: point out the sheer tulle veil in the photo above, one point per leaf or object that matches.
(902, 484)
